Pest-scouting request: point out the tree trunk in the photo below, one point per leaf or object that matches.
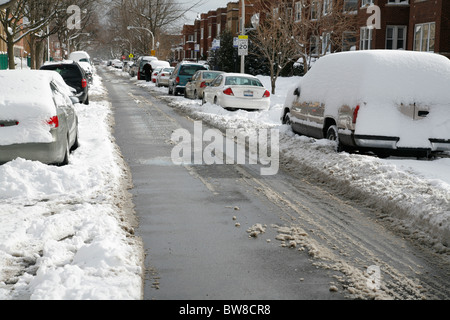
(10, 46)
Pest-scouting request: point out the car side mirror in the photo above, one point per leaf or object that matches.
(297, 92)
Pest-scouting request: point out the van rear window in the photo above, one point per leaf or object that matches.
(190, 70)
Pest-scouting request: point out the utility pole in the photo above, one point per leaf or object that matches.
(243, 33)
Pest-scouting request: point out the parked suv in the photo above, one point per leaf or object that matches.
(182, 74)
(388, 102)
(141, 62)
(73, 75)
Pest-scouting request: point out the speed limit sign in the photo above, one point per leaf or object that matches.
(243, 46)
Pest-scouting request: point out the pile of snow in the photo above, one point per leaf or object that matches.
(67, 232)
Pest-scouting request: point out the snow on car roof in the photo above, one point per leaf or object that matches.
(378, 75)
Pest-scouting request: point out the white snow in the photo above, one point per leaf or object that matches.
(64, 231)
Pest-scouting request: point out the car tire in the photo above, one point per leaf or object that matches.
(86, 102)
(287, 119)
(65, 161)
(196, 95)
(333, 135)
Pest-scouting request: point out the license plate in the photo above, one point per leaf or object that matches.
(248, 93)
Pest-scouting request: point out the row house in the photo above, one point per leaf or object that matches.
(420, 25)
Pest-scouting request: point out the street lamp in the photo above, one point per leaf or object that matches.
(153, 36)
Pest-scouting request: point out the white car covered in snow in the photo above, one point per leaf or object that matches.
(38, 121)
(384, 101)
(237, 91)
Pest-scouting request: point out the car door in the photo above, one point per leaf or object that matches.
(214, 88)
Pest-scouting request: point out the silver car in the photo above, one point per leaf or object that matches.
(38, 121)
(200, 80)
(163, 77)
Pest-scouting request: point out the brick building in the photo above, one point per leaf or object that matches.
(421, 25)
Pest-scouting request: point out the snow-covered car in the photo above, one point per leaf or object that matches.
(385, 101)
(74, 76)
(88, 70)
(200, 80)
(38, 121)
(80, 56)
(117, 64)
(163, 77)
(237, 91)
(155, 73)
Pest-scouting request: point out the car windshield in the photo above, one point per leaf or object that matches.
(242, 81)
(189, 70)
(167, 70)
(210, 75)
(67, 71)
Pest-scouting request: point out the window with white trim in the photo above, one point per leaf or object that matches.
(327, 6)
(326, 43)
(397, 1)
(424, 36)
(365, 38)
(298, 11)
(366, 3)
(396, 37)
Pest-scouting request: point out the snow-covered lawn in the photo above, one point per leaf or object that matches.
(65, 232)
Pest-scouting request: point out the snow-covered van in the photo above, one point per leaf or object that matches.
(385, 101)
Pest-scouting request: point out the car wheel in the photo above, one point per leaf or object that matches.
(65, 161)
(196, 95)
(170, 90)
(76, 144)
(287, 119)
(86, 101)
(215, 100)
(203, 100)
(333, 135)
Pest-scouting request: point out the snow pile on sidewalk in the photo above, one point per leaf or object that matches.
(65, 232)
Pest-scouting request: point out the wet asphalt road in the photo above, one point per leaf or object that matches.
(193, 220)
(194, 250)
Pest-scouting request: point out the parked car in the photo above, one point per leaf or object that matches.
(237, 91)
(183, 71)
(73, 75)
(141, 62)
(80, 56)
(38, 121)
(155, 73)
(117, 64)
(88, 70)
(383, 101)
(163, 77)
(199, 81)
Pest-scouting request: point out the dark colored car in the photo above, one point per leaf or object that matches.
(74, 76)
(182, 74)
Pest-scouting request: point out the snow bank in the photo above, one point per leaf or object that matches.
(67, 232)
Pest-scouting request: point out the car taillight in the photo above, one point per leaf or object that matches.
(203, 85)
(266, 94)
(177, 80)
(83, 83)
(228, 92)
(54, 122)
(163, 75)
(355, 114)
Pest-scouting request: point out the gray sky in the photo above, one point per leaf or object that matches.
(208, 5)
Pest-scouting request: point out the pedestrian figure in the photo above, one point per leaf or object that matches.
(148, 72)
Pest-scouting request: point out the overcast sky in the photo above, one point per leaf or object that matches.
(208, 5)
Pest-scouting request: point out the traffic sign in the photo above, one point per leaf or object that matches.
(243, 46)
(131, 56)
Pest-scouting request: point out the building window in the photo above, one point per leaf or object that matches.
(327, 6)
(350, 5)
(209, 31)
(365, 38)
(366, 3)
(326, 43)
(397, 1)
(298, 11)
(314, 46)
(314, 11)
(424, 37)
(218, 29)
(396, 37)
(348, 41)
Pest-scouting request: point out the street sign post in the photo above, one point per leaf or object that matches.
(243, 46)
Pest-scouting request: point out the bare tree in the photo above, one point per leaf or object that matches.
(275, 37)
